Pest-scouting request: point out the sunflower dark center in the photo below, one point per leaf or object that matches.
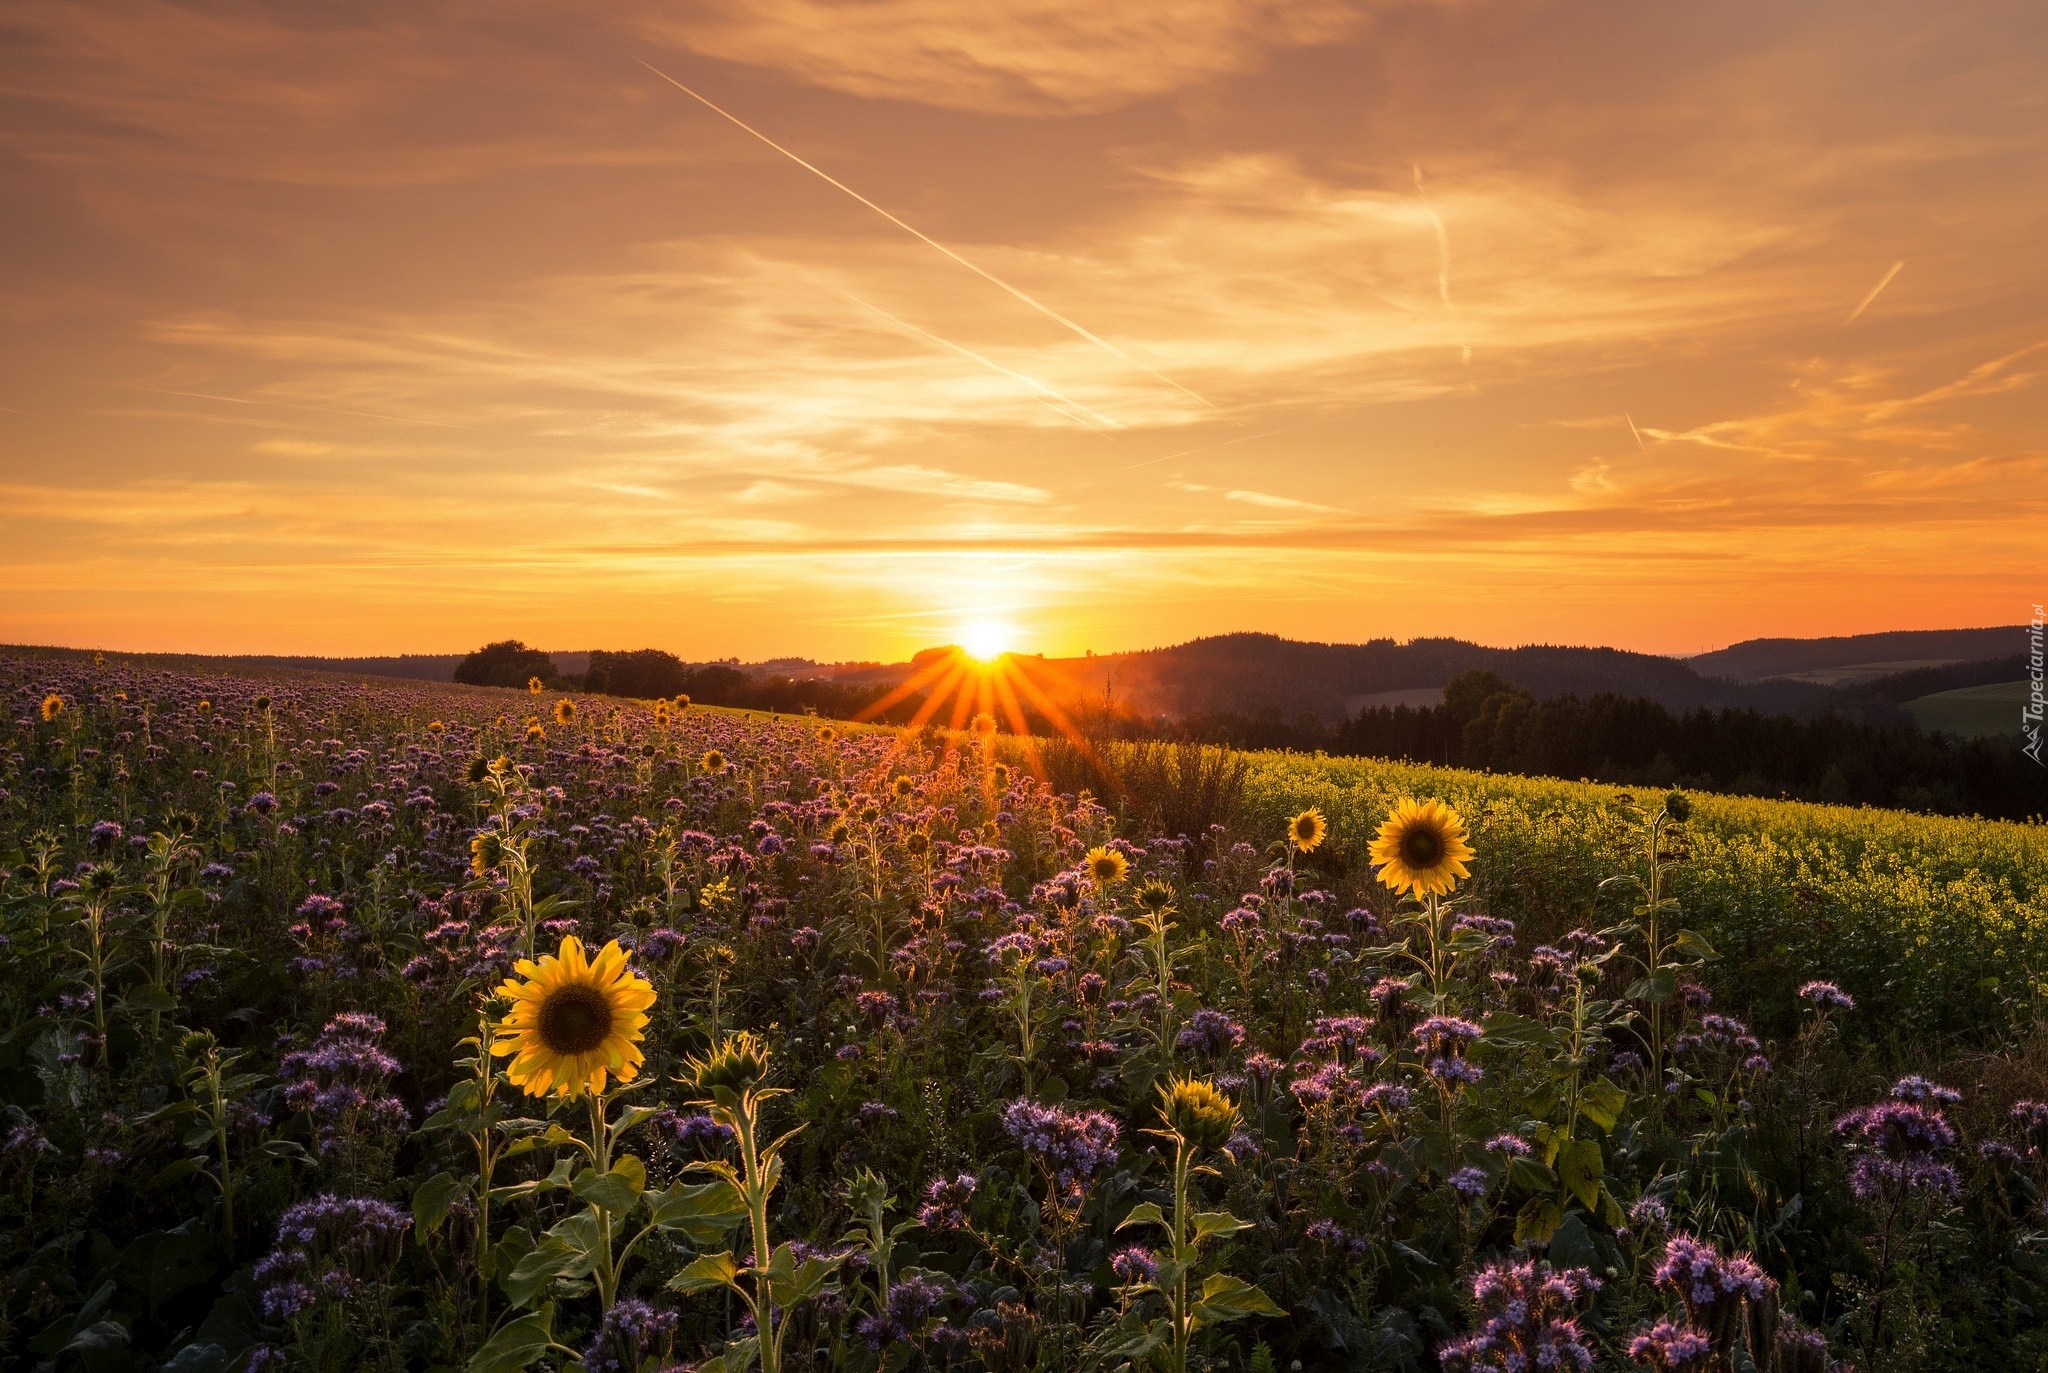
(1421, 848)
(575, 1020)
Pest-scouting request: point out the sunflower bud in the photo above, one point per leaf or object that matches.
(737, 1065)
(1678, 807)
(1194, 1110)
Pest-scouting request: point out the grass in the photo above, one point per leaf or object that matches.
(1978, 712)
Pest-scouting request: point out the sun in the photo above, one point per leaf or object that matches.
(986, 641)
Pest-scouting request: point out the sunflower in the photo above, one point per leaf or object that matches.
(712, 761)
(1306, 830)
(661, 711)
(53, 706)
(1197, 1112)
(1106, 867)
(485, 849)
(682, 701)
(827, 735)
(573, 1020)
(436, 727)
(565, 712)
(536, 733)
(984, 724)
(902, 787)
(1422, 848)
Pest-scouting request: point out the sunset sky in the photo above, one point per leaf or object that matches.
(394, 326)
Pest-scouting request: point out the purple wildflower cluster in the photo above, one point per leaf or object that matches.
(326, 1249)
(946, 1201)
(631, 1333)
(340, 1082)
(1072, 1147)
(1528, 1320)
(1898, 1146)
(1716, 1290)
(1209, 1034)
(1444, 1040)
(912, 1303)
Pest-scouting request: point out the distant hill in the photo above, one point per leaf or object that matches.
(1254, 673)
(419, 667)
(1854, 657)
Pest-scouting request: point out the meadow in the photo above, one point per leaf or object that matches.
(375, 1025)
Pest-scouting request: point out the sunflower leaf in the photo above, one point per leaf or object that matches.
(705, 1213)
(617, 1191)
(1225, 1298)
(705, 1272)
(516, 1344)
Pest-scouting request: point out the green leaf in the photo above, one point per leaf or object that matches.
(632, 1116)
(431, 1202)
(738, 1357)
(1211, 1223)
(1579, 1167)
(1514, 1031)
(706, 1213)
(1602, 1102)
(517, 1343)
(1572, 1245)
(101, 1339)
(1537, 1221)
(1531, 1176)
(706, 1272)
(566, 1251)
(176, 1171)
(1144, 1213)
(511, 1247)
(790, 1282)
(1225, 1298)
(1659, 987)
(1696, 944)
(616, 1191)
(150, 997)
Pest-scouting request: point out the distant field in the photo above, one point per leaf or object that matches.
(1978, 712)
(1851, 673)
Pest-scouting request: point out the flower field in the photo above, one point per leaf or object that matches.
(399, 1026)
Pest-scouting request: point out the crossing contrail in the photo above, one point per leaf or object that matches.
(927, 239)
(1065, 406)
(1882, 282)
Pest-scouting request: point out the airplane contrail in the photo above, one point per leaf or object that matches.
(1640, 446)
(1064, 406)
(927, 239)
(1882, 282)
(1443, 262)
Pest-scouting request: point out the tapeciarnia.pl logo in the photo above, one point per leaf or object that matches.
(2031, 713)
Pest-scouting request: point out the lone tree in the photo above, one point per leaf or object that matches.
(507, 663)
(644, 673)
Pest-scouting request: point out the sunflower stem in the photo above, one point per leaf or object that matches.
(601, 1158)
